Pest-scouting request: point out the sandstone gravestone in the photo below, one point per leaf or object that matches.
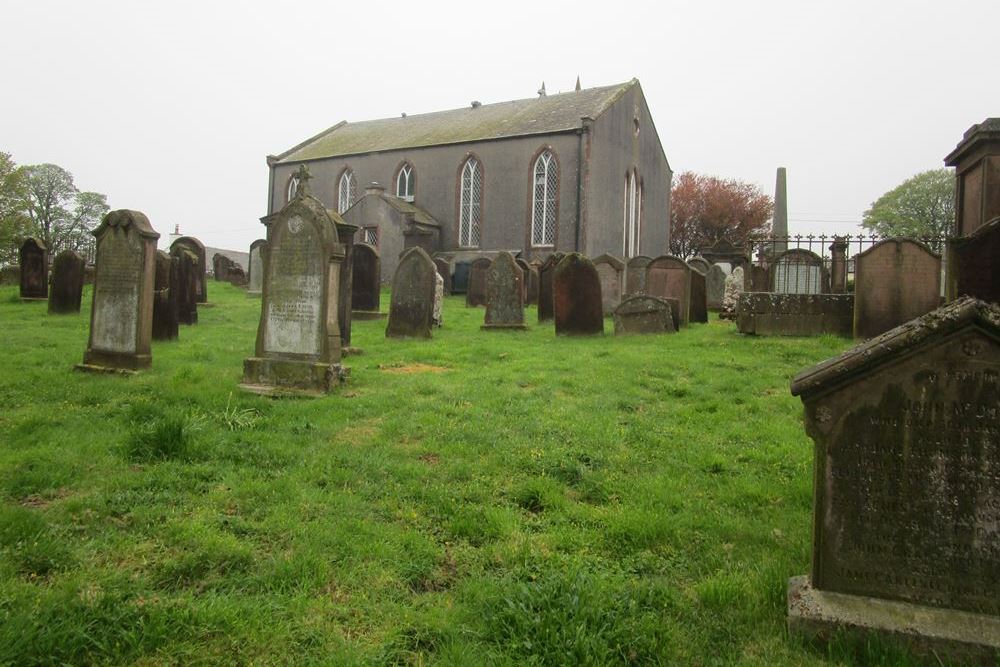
(545, 273)
(298, 349)
(906, 509)
(576, 297)
(699, 297)
(411, 303)
(611, 272)
(635, 274)
(642, 314)
(194, 246)
(255, 268)
(669, 277)
(164, 298)
(184, 282)
(443, 267)
(799, 271)
(504, 294)
(438, 315)
(895, 281)
(715, 286)
(34, 259)
(734, 287)
(476, 293)
(67, 283)
(121, 315)
(974, 263)
(366, 285)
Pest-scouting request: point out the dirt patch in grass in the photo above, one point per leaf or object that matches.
(411, 368)
(359, 432)
(430, 459)
(37, 501)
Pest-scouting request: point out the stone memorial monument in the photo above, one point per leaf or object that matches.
(164, 298)
(444, 270)
(715, 286)
(699, 296)
(635, 274)
(184, 282)
(438, 315)
(193, 245)
(67, 283)
(611, 272)
(504, 294)
(576, 297)
(895, 281)
(255, 268)
(669, 277)
(642, 314)
(545, 273)
(799, 271)
(476, 293)
(411, 302)
(974, 263)
(731, 297)
(366, 283)
(700, 263)
(34, 259)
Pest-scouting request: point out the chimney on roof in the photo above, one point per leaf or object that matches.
(541, 91)
(403, 115)
(578, 83)
(374, 188)
(476, 104)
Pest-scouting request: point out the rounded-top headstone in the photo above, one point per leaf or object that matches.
(411, 303)
(67, 283)
(34, 260)
(576, 297)
(504, 294)
(545, 272)
(366, 279)
(643, 314)
(193, 245)
(476, 294)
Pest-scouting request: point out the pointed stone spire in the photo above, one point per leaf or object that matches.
(541, 91)
(578, 82)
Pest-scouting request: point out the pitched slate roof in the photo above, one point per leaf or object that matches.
(542, 115)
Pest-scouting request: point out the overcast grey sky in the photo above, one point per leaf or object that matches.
(171, 107)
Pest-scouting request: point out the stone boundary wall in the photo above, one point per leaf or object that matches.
(771, 314)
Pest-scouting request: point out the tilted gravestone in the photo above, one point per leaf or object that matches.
(121, 315)
(443, 267)
(715, 286)
(545, 273)
(576, 297)
(669, 277)
(194, 246)
(366, 286)
(298, 349)
(504, 294)
(255, 268)
(67, 283)
(34, 259)
(438, 315)
(699, 297)
(642, 314)
(411, 303)
(906, 509)
(476, 293)
(164, 298)
(635, 274)
(895, 281)
(799, 271)
(184, 282)
(611, 272)
(734, 287)
(974, 263)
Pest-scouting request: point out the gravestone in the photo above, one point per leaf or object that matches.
(504, 294)
(531, 277)
(906, 500)
(700, 263)
(895, 281)
(34, 260)
(576, 297)
(476, 293)
(734, 287)
(200, 274)
(366, 286)
(699, 297)
(635, 274)
(760, 279)
(121, 315)
(298, 348)
(545, 273)
(460, 278)
(67, 283)
(411, 303)
(443, 267)
(771, 314)
(223, 267)
(669, 277)
(611, 272)
(438, 315)
(715, 286)
(164, 298)
(184, 283)
(799, 271)
(525, 269)
(642, 314)
(974, 263)
(255, 268)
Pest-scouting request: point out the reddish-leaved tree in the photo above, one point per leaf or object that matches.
(706, 209)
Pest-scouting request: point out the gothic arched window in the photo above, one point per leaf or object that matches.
(404, 182)
(632, 224)
(346, 191)
(545, 186)
(470, 203)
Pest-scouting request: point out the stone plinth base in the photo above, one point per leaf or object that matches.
(503, 327)
(928, 631)
(110, 362)
(773, 314)
(279, 377)
(367, 315)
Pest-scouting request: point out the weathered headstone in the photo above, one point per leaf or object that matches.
(184, 283)
(635, 274)
(460, 277)
(715, 286)
(34, 260)
(700, 263)
(531, 278)
(760, 279)
(411, 303)
(576, 297)
(194, 246)
(121, 316)
(298, 347)
(906, 513)
(545, 273)
(223, 267)
(669, 277)
(67, 283)
(799, 271)
(734, 287)
(366, 287)
(444, 270)
(476, 294)
(164, 298)
(699, 297)
(255, 268)
(525, 269)
(438, 315)
(611, 272)
(642, 314)
(504, 294)
(974, 263)
(895, 281)
(771, 314)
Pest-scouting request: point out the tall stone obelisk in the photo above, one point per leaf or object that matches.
(779, 227)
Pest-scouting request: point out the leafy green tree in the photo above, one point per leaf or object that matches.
(61, 216)
(922, 206)
(14, 222)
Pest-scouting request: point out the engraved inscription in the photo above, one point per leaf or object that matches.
(295, 291)
(116, 291)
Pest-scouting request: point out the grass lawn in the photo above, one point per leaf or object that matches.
(504, 498)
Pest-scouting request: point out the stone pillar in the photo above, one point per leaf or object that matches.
(838, 265)
(779, 228)
(977, 176)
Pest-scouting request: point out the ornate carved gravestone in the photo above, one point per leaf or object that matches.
(906, 515)
(895, 281)
(444, 270)
(545, 273)
(715, 286)
(255, 268)
(799, 271)
(576, 297)
(611, 272)
(193, 245)
(366, 287)
(298, 349)
(34, 259)
(974, 263)
(635, 274)
(642, 314)
(184, 283)
(669, 277)
(165, 298)
(699, 297)
(504, 294)
(121, 315)
(67, 283)
(411, 304)
(476, 294)
(734, 287)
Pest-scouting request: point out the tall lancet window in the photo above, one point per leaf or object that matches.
(470, 203)
(347, 191)
(632, 224)
(404, 182)
(545, 186)
(293, 187)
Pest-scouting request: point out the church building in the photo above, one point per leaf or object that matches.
(579, 171)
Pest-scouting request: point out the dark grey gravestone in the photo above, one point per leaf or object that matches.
(642, 314)
(906, 514)
(576, 297)
(366, 284)
(611, 272)
(545, 273)
(443, 267)
(504, 294)
(460, 278)
(164, 299)
(715, 286)
(193, 245)
(255, 268)
(476, 293)
(635, 275)
(185, 283)
(411, 304)
(67, 283)
(699, 297)
(34, 260)
(525, 270)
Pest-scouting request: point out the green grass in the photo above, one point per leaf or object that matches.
(506, 498)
